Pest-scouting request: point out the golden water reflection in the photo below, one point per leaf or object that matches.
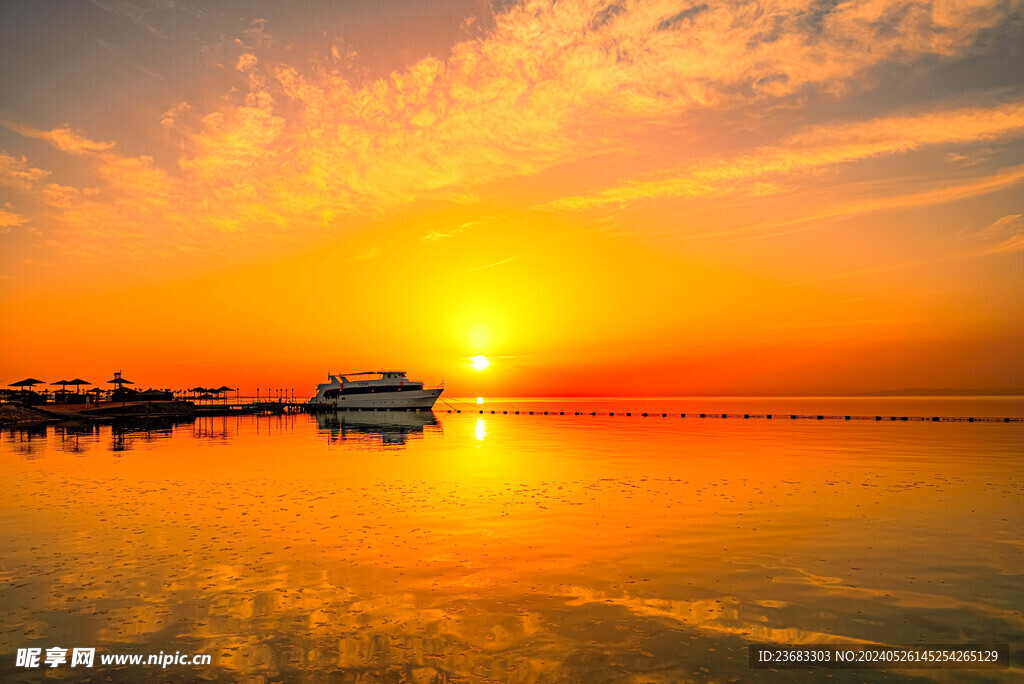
(508, 548)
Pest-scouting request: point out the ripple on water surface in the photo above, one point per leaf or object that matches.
(460, 547)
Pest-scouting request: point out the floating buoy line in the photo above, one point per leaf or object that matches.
(740, 416)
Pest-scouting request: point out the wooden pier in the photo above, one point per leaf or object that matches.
(110, 411)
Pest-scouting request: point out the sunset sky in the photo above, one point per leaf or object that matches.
(635, 198)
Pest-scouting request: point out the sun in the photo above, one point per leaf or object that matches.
(479, 363)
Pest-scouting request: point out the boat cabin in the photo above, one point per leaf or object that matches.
(383, 381)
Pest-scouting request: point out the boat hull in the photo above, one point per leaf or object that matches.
(407, 399)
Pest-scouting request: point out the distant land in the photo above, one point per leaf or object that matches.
(922, 392)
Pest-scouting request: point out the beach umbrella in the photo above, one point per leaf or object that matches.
(225, 388)
(63, 384)
(78, 382)
(27, 381)
(118, 380)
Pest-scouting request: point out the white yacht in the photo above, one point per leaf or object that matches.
(385, 390)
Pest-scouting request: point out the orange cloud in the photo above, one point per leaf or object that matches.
(1001, 237)
(15, 172)
(939, 194)
(817, 147)
(9, 219)
(305, 148)
(907, 132)
(63, 139)
(246, 62)
(550, 83)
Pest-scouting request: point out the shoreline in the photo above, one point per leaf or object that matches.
(13, 416)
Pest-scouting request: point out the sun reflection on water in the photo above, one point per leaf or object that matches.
(578, 550)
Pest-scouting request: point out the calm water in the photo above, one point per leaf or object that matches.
(459, 547)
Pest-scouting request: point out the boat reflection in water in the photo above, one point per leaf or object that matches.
(393, 428)
(547, 546)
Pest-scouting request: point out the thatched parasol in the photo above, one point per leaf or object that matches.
(119, 381)
(27, 381)
(78, 382)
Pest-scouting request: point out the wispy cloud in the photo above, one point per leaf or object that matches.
(366, 255)
(64, 139)
(294, 147)
(817, 147)
(1000, 237)
(1003, 236)
(940, 193)
(133, 202)
(492, 265)
(15, 172)
(435, 235)
(135, 12)
(8, 219)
